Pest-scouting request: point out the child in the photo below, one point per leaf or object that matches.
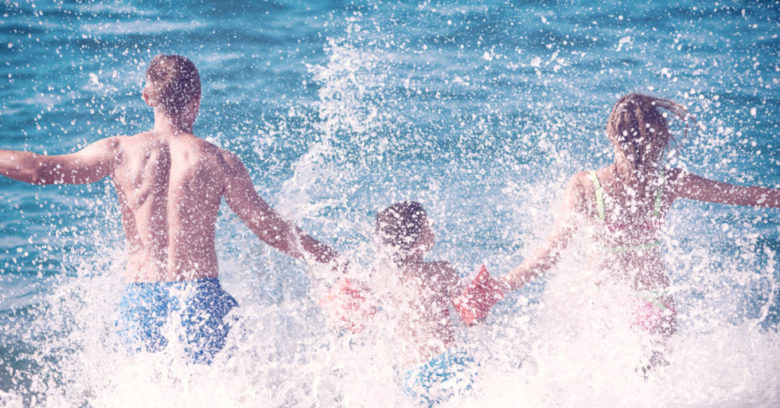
(419, 293)
(623, 206)
(170, 184)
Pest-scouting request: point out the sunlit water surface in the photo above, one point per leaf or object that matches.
(479, 111)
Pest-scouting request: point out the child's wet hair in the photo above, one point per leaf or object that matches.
(400, 226)
(174, 82)
(639, 129)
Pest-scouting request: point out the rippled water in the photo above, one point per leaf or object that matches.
(479, 110)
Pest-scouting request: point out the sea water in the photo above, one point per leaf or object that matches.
(478, 110)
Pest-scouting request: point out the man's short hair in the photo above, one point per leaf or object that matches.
(173, 82)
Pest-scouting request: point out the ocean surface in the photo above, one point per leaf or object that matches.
(479, 110)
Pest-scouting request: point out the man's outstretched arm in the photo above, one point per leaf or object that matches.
(266, 223)
(85, 166)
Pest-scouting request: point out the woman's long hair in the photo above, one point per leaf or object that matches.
(639, 130)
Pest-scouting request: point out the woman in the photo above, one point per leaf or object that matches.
(622, 208)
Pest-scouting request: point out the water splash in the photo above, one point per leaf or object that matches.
(480, 112)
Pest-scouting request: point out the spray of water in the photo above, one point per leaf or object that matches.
(386, 124)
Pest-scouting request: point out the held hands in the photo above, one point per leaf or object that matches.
(479, 296)
(346, 301)
(339, 266)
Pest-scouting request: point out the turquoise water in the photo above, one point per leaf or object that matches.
(479, 110)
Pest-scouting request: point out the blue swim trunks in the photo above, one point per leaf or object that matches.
(438, 380)
(198, 306)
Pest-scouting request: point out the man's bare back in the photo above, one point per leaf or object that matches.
(170, 187)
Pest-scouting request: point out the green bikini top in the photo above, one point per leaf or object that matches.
(613, 227)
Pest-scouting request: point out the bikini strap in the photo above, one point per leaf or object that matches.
(599, 195)
(659, 196)
(636, 248)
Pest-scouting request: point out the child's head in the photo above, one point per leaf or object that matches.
(404, 229)
(173, 84)
(638, 129)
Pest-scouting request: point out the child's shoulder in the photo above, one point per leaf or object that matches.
(439, 264)
(441, 268)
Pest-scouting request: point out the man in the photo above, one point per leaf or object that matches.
(170, 184)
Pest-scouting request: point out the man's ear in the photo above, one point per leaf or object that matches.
(193, 107)
(147, 98)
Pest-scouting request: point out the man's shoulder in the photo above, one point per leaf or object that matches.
(111, 143)
(215, 151)
(128, 140)
(138, 136)
(222, 158)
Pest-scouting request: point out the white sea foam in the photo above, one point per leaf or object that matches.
(575, 348)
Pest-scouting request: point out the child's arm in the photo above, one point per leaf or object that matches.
(85, 166)
(474, 302)
(698, 188)
(263, 220)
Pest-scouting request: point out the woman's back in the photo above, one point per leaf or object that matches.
(627, 218)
